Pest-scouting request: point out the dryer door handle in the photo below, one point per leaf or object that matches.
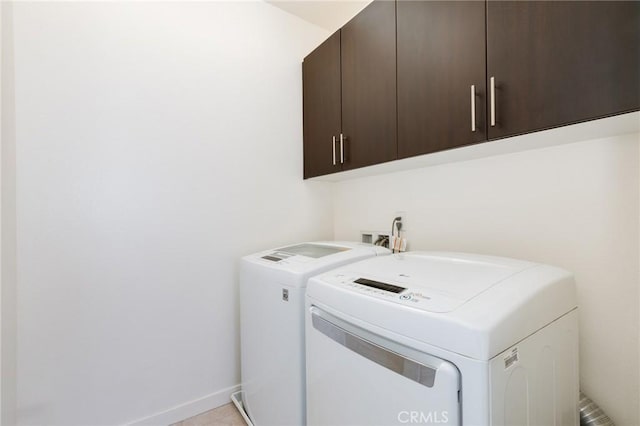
(413, 370)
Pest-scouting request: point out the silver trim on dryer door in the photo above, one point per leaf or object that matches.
(406, 367)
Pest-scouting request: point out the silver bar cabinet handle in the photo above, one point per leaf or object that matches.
(493, 101)
(333, 145)
(341, 148)
(473, 107)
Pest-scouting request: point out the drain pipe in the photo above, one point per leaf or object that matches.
(591, 414)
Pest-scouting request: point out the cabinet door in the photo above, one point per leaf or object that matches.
(561, 62)
(441, 55)
(369, 86)
(321, 108)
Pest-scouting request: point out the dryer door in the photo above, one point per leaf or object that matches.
(355, 377)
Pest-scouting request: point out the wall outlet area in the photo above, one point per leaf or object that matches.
(375, 237)
(384, 239)
(394, 239)
(403, 220)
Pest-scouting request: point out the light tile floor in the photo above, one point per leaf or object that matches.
(226, 415)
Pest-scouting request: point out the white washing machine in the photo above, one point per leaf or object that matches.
(272, 289)
(442, 338)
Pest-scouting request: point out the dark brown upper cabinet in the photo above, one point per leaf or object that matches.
(441, 75)
(369, 86)
(553, 63)
(467, 71)
(322, 121)
(349, 95)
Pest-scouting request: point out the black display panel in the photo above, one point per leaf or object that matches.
(272, 258)
(381, 286)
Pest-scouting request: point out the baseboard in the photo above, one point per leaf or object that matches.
(188, 409)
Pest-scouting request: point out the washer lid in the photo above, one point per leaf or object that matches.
(293, 265)
(473, 305)
(434, 282)
(310, 250)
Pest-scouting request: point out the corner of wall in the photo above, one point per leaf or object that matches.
(8, 283)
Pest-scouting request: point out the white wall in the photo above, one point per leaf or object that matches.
(2, 344)
(8, 289)
(156, 143)
(1, 310)
(574, 206)
(330, 15)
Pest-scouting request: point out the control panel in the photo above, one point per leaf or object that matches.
(416, 297)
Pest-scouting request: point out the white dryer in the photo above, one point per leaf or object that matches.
(442, 338)
(272, 289)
